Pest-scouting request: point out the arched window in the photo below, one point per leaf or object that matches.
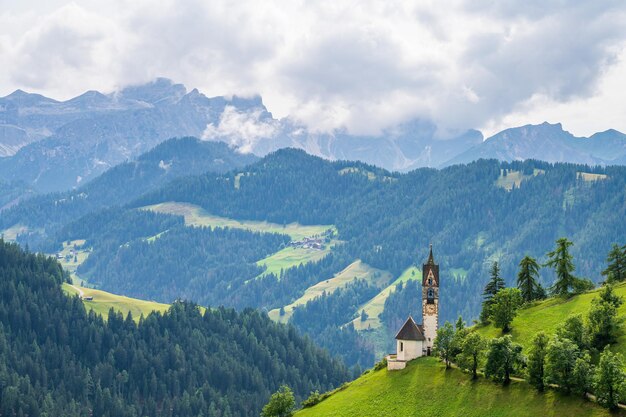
(431, 293)
(430, 281)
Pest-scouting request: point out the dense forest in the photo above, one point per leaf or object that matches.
(58, 360)
(46, 214)
(385, 219)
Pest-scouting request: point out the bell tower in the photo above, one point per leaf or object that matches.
(430, 300)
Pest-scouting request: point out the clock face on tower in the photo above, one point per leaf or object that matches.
(430, 308)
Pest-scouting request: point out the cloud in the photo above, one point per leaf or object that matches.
(363, 66)
(242, 129)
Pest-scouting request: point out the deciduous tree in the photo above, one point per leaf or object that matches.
(504, 307)
(443, 344)
(503, 358)
(537, 361)
(609, 379)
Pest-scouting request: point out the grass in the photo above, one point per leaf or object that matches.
(515, 178)
(589, 177)
(548, 314)
(374, 307)
(356, 270)
(103, 301)
(290, 257)
(197, 216)
(67, 260)
(10, 234)
(425, 388)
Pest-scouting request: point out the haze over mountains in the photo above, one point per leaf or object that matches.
(53, 145)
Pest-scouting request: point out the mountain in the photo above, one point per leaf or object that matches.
(171, 159)
(548, 142)
(59, 360)
(61, 145)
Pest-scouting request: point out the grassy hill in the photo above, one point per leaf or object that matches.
(548, 314)
(103, 301)
(425, 388)
(356, 270)
(196, 216)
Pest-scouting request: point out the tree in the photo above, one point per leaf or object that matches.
(460, 324)
(616, 264)
(527, 279)
(560, 362)
(472, 350)
(602, 320)
(573, 328)
(537, 361)
(281, 403)
(443, 343)
(561, 260)
(608, 382)
(504, 307)
(503, 358)
(495, 284)
(583, 375)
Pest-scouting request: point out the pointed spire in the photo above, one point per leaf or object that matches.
(431, 260)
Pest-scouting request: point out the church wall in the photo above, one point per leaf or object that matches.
(430, 329)
(411, 349)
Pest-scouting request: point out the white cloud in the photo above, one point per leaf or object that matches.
(241, 129)
(360, 65)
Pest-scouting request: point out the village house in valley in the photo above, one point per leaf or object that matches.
(415, 340)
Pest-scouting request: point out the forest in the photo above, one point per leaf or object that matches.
(58, 360)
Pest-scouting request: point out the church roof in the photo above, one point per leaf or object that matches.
(411, 331)
(431, 259)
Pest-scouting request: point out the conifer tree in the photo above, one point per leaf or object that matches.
(527, 279)
(561, 260)
(616, 264)
(495, 284)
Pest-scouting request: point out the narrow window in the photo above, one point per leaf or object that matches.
(431, 293)
(401, 347)
(430, 281)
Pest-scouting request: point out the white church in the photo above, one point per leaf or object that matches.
(415, 340)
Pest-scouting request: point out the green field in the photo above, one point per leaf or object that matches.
(67, 260)
(425, 388)
(291, 257)
(375, 306)
(10, 234)
(103, 301)
(515, 178)
(547, 315)
(589, 177)
(197, 216)
(356, 270)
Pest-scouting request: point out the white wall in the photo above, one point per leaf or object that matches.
(411, 349)
(430, 329)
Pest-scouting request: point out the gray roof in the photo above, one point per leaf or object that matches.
(411, 331)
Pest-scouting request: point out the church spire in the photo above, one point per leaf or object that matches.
(431, 260)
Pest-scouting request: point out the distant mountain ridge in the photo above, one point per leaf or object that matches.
(550, 143)
(56, 145)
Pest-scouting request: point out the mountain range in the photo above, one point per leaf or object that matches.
(55, 145)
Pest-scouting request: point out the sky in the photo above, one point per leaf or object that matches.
(360, 65)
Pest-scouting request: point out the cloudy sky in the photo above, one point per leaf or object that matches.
(363, 65)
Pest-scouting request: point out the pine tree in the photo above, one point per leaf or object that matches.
(495, 284)
(527, 279)
(561, 260)
(616, 264)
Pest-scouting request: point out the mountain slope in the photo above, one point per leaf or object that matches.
(548, 142)
(426, 388)
(58, 360)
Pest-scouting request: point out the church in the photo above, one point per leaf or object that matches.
(415, 340)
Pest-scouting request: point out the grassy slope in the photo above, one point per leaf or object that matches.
(103, 301)
(515, 178)
(196, 216)
(425, 388)
(81, 256)
(547, 315)
(375, 306)
(291, 257)
(356, 270)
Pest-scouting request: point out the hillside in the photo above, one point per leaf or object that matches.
(59, 360)
(547, 315)
(425, 388)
